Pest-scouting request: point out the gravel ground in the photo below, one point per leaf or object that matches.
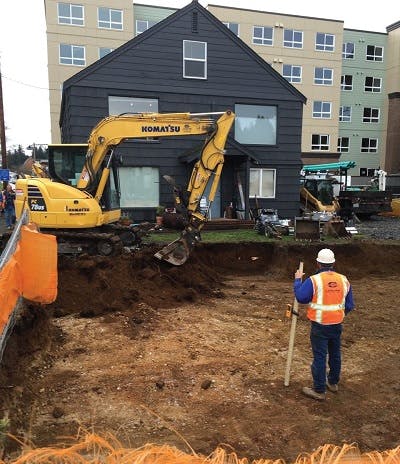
(380, 228)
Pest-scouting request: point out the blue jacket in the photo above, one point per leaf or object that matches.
(8, 198)
(304, 292)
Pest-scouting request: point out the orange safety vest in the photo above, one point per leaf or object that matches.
(327, 304)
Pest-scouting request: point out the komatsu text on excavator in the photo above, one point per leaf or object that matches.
(84, 212)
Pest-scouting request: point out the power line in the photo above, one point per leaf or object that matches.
(24, 83)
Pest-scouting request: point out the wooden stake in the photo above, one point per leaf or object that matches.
(292, 336)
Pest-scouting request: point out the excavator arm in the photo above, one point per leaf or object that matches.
(207, 169)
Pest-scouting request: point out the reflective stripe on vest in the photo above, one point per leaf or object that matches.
(328, 302)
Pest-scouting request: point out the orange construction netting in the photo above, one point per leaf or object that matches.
(94, 449)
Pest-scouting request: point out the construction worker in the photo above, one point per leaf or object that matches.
(330, 298)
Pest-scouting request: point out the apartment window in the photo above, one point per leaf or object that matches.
(343, 145)
(109, 18)
(143, 25)
(320, 142)
(292, 73)
(345, 114)
(140, 187)
(255, 124)
(103, 51)
(346, 82)
(322, 109)
(292, 38)
(323, 76)
(324, 42)
(194, 59)
(120, 105)
(72, 55)
(70, 14)
(374, 53)
(373, 84)
(348, 51)
(370, 115)
(263, 35)
(234, 27)
(369, 145)
(262, 183)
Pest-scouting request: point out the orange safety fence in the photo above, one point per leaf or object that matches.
(94, 449)
(30, 272)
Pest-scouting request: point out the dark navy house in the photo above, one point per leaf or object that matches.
(191, 62)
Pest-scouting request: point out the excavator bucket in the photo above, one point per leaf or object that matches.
(307, 229)
(335, 228)
(178, 251)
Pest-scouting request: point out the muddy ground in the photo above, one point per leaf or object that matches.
(194, 356)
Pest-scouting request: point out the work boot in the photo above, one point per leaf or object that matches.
(310, 392)
(333, 387)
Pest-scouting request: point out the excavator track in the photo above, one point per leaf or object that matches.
(93, 243)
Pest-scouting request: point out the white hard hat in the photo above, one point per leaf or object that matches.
(326, 256)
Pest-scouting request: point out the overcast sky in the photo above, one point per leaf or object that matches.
(23, 53)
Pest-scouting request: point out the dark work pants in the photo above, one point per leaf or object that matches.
(325, 342)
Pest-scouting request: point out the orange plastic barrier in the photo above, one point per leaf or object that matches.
(30, 272)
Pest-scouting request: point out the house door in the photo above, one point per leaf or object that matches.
(215, 211)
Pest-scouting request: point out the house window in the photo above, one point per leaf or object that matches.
(262, 183)
(346, 82)
(194, 59)
(140, 187)
(320, 142)
(343, 145)
(255, 125)
(348, 51)
(143, 25)
(103, 51)
(292, 38)
(72, 55)
(323, 76)
(345, 114)
(322, 110)
(373, 84)
(70, 14)
(234, 27)
(374, 53)
(292, 73)
(370, 115)
(324, 42)
(263, 35)
(109, 18)
(131, 105)
(369, 145)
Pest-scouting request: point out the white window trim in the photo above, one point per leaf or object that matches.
(340, 146)
(321, 113)
(368, 150)
(261, 171)
(352, 83)
(292, 78)
(109, 20)
(194, 59)
(227, 23)
(378, 89)
(293, 41)
(354, 52)
(320, 144)
(263, 37)
(374, 60)
(323, 78)
(72, 54)
(108, 48)
(71, 17)
(340, 109)
(324, 44)
(371, 117)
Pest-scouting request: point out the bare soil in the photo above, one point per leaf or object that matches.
(194, 356)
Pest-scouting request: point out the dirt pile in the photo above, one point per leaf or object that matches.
(195, 355)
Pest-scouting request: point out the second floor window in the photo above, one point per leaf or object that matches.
(369, 145)
(292, 38)
(263, 35)
(320, 142)
(234, 27)
(323, 76)
(343, 145)
(322, 110)
(374, 53)
(324, 42)
(370, 115)
(70, 14)
(348, 51)
(373, 84)
(72, 55)
(345, 114)
(346, 82)
(194, 59)
(143, 25)
(292, 73)
(109, 18)
(103, 51)
(255, 124)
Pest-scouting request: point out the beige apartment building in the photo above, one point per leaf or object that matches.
(307, 51)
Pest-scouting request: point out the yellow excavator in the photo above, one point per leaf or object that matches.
(84, 212)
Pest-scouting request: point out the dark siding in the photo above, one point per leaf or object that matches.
(150, 66)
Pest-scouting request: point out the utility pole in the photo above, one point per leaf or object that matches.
(2, 128)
